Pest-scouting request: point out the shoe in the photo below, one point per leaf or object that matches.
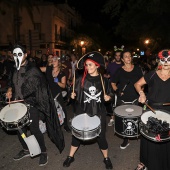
(67, 129)
(43, 159)
(141, 166)
(21, 154)
(68, 161)
(125, 144)
(108, 163)
(111, 122)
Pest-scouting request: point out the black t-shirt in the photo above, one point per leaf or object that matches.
(55, 88)
(122, 78)
(158, 90)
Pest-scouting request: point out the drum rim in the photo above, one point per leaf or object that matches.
(86, 130)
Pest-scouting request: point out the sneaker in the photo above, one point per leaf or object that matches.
(68, 161)
(111, 122)
(67, 129)
(43, 159)
(21, 154)
(108, 163)
(125, 144)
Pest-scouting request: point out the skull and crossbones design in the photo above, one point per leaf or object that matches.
(92, 95)
(131, 125)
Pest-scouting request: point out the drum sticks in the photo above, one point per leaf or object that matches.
(103, 85)
(15, 101)
(150, 108)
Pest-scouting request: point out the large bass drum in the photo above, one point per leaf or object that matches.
(127, 118)
(147, 130)
(85, 127)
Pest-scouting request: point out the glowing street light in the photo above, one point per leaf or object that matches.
(82, 43)
(147, 41)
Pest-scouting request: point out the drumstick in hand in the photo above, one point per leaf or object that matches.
(103, 85)
(74, 81)
(9, 101)
(150, 108)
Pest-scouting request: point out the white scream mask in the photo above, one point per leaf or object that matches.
(163, 60)
(18, 56)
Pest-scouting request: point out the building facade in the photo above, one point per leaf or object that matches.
(50, 30)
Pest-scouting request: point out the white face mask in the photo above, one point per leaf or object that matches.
(18, 56)
(165, 60)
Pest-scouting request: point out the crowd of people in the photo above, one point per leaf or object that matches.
(91, 87)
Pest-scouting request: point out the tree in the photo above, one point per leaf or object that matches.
(140, 19)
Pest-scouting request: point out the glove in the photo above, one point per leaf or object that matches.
(56, 80)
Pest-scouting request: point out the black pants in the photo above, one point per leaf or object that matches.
(34, 129)
(101, 140)
(61, 102)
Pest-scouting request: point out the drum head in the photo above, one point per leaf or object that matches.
(13, 113)
(160, 115)
(128, 110)
(85, 123)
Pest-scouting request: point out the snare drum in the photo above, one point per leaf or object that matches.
(14, 116)
(127, 119)
(85, 127)
(145, 131)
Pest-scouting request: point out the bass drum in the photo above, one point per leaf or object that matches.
(85, 127)
(127, 118)
(146, 130)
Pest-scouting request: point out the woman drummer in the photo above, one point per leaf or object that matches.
(156, 155)
(90, 96)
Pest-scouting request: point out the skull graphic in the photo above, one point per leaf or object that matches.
(92, 90)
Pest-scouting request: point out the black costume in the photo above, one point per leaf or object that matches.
(156, 155)
(56, 89)
(85, 104)
(125, 82)
(29, 84)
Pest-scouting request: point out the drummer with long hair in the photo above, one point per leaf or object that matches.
(91, 91)
(156, 155)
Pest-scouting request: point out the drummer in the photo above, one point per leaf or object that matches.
(29, 83)
(90, 97)
(123, 84)
(156, 155)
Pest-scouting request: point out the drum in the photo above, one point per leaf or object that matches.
(148, 131)
(127, 118)
(14, 116)
(85, 127)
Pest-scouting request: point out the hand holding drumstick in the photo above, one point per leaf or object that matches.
(9, 94)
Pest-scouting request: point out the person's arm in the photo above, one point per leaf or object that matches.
(43, 69)
(62, 84)
(139, 88)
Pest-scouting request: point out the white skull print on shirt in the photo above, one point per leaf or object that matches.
(92, 95)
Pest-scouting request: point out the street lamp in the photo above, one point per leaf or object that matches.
(83, 49)
(147, 41)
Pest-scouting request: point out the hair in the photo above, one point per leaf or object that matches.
(125, 51)
(21, 47)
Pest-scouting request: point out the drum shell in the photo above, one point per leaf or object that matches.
(85, 134)
(147, 133)
(127, 118)
(120, 126)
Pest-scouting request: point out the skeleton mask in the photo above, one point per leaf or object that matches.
(18, 56)
(165, 60)
(92, 90)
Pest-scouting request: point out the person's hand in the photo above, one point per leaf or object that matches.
(107, 98)
(142, 97)
(73, 95)
(9, 93)
(118, 93)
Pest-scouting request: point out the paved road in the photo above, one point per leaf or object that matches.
(88, 157)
